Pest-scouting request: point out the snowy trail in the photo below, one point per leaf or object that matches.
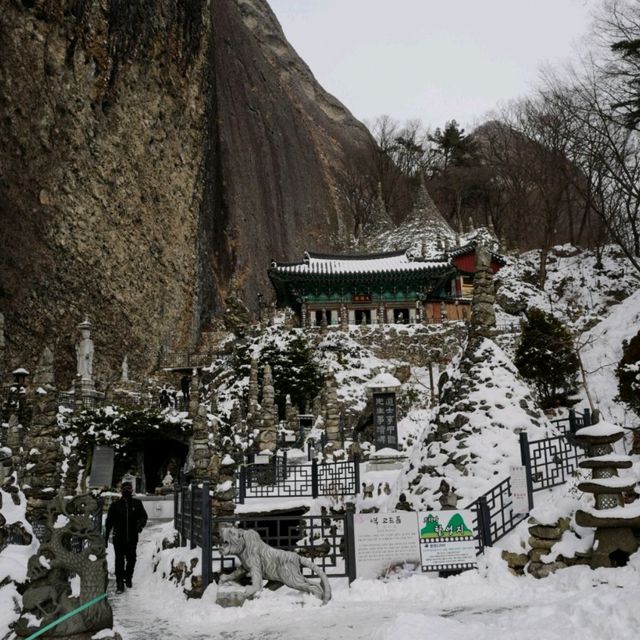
(489, 604)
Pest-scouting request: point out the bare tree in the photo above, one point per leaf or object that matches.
(607, 151)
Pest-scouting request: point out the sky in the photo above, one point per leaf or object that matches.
(435, 60)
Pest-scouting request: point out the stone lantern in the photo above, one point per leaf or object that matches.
(20, 376)
(611, 517)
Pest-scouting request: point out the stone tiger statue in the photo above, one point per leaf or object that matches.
(263, 562)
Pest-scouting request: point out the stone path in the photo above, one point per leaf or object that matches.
(576, 604)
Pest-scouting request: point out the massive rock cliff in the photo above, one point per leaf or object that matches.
(149, 151)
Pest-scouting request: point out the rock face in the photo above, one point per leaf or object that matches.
(150, 152)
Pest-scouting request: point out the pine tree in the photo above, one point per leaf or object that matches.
(453, 144)
(628, 372)
(546, 356)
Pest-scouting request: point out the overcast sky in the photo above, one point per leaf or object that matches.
(431, 59)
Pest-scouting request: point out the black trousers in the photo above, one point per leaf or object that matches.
(125, 559)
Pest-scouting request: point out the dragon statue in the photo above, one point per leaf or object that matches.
(72, 550)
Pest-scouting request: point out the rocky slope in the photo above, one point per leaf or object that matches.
(149, 152)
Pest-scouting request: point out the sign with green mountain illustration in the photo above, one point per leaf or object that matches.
(447, 540)
(434, 525)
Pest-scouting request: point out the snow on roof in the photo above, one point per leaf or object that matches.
(602, 428)
(383, 381)
(617, 482)
(397, 261)
(20, 371)
(629, 512)
(387, 452)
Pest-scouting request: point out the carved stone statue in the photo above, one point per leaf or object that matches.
(263, 562)
(44, 375)
(125, 370)
(74, 549)
(84, 352)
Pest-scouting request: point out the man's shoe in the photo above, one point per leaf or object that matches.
(128, 583)
(120, 587)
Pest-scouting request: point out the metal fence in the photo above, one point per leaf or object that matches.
(329, 539)
(277, 479)
(325, 539)
(493, 515)
(548, 463)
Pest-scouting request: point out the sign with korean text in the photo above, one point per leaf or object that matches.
(447, 540)
(361, 297)
(386, 543)
(101, 467)
(385, 421)
(519, 490)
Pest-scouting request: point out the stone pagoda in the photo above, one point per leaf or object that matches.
(612, 518)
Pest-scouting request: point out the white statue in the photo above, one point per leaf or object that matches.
(84, 352)
(167, 481)
(125, 370)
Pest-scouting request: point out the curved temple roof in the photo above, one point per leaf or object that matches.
(398, 262)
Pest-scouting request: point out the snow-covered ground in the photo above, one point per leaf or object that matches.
(485, 604)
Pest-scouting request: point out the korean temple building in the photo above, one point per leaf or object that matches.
(378, 288)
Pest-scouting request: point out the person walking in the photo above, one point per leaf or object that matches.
(126, 517)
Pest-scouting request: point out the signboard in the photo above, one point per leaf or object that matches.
(385, 543)
(101, 467)
(519, 491)
(447, 540)
(40, 531)
(361, 297)
(385, 422)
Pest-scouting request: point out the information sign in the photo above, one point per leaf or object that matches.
(447, 540)
(519, 491)
(385, 422)
(101, 467)
(386, 543)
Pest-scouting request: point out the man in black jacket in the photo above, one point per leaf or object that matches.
(127, 517)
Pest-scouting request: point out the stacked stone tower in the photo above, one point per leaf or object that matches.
(483, 314)
(41, 468)
(613, 520)
(332, 414)
(268, 428)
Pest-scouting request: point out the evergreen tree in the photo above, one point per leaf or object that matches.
(629, 374)
(453, 145)
(294, 371)
(546, 356)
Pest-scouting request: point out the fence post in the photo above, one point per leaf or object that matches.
(525, 457)
(314, 478)
(192, 496)
(356, 471)
(587, 417)
(183, 536)
(206, 536)
(572, 421)
(350, 542)
(484, 519)
(176, 491)
(242, 493)
(284, 465)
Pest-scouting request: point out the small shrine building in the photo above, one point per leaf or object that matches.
(378, 288)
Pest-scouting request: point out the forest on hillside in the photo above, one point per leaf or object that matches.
(559, 165)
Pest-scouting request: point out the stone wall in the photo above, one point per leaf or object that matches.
(541, 558)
